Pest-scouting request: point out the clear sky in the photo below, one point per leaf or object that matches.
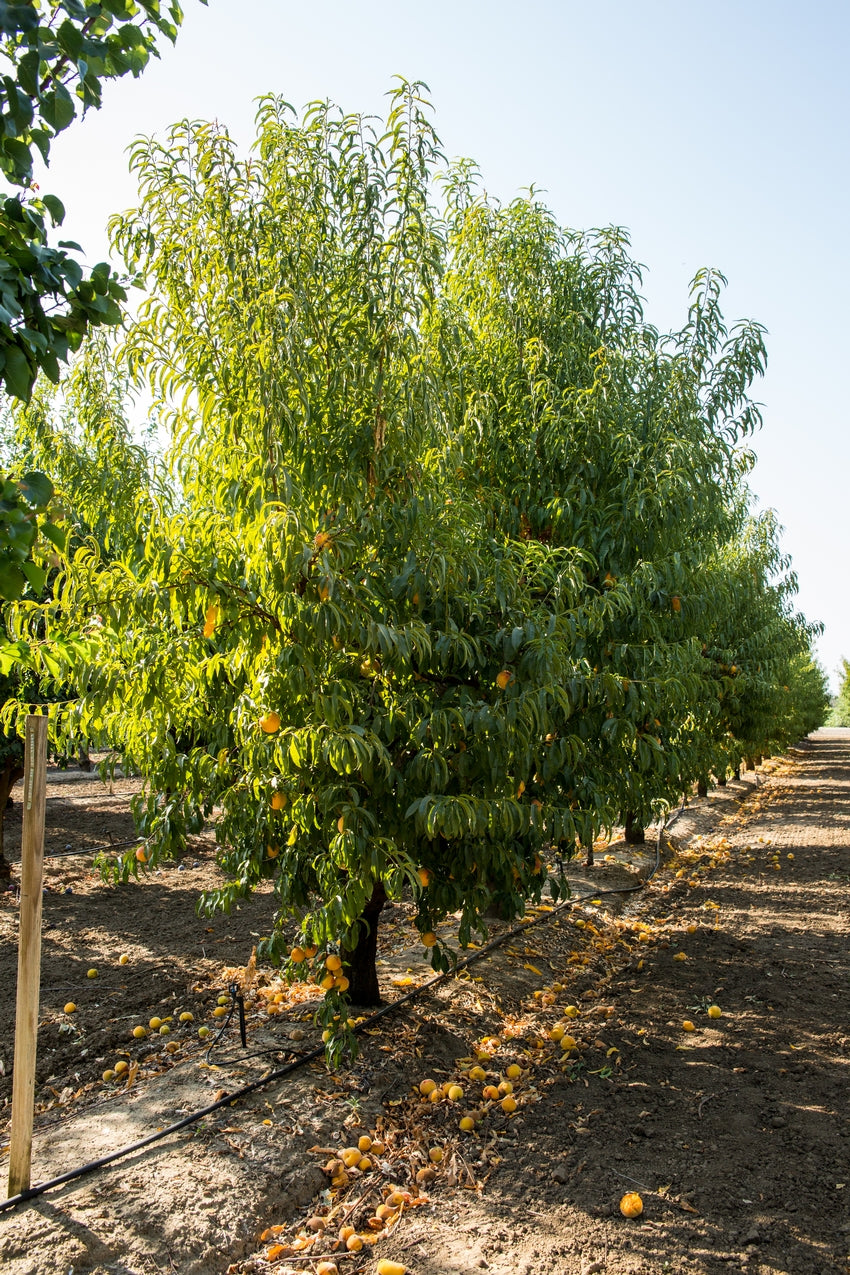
(717, 132)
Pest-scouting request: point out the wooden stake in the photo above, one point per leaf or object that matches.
(29, 954)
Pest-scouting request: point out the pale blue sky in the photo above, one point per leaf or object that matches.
(716, 132)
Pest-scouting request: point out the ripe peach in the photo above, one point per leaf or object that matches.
(631, 1205)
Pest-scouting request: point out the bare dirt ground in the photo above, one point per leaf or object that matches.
(736, 1134)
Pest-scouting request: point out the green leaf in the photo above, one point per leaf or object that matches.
(36, 488)
(57, 536)
(55, 207)
(17, 374)
(35, 575)
(12, 581)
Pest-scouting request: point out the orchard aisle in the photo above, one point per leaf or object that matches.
(737, 1134)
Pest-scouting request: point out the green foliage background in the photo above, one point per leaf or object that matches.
(840, 709)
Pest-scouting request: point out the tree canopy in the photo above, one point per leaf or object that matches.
(57, 55)
(457, 569)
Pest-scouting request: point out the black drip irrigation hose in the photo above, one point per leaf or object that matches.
(313, 1055)
(71, 854)
(86, 796)
(32, 1192)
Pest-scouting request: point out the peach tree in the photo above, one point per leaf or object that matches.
(324, 569)
(420, 606)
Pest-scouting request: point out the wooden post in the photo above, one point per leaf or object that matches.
(29, 954)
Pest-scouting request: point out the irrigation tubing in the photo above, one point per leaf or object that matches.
(71, 854)
(312, 1055)
(32, 1192)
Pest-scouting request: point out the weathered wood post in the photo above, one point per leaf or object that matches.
(29, 954)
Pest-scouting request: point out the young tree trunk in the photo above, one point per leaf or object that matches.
(359, 962)
(738, 771)
(8, 778)
(635, 835)
(749, 763)
(83, 759)
(588, 854)
(721, 781)
(759, 761)
(702, 788)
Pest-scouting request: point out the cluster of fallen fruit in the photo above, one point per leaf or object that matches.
(336, 1231)
(352, 1227)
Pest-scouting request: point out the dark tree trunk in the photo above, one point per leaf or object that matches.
(635, 835)
(359, 963)
(8, 778)
(721, 781)
(759, 761)
(702, 788)
(738, 771)
(83, 759)
(749, 763)
(588, 855)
